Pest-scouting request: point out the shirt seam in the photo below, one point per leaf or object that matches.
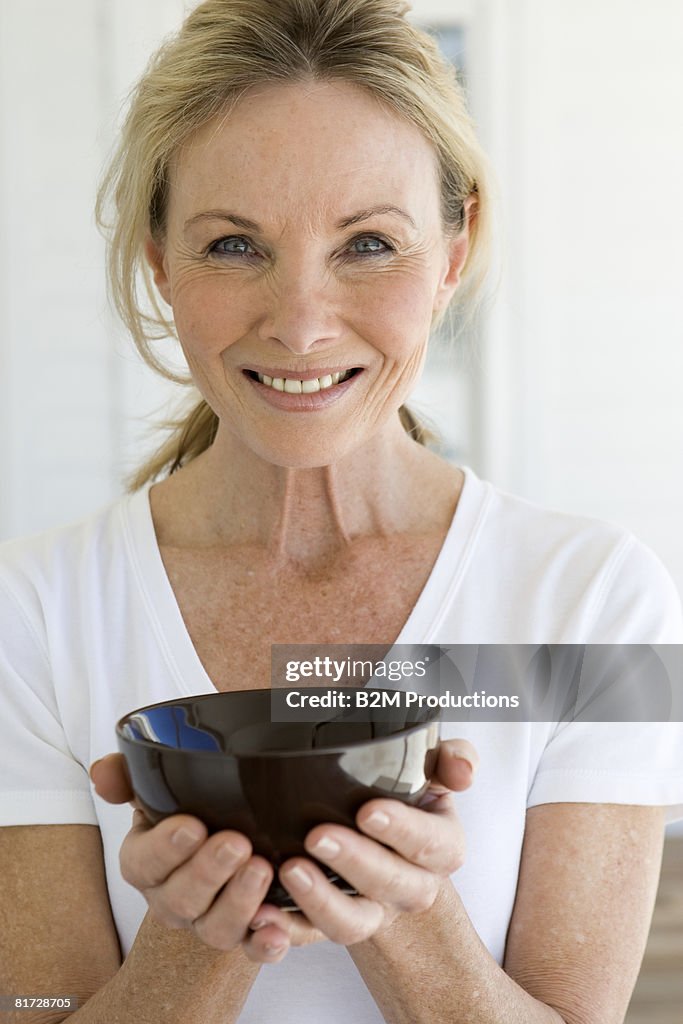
(26, 619)
(610, 573)
(588, 772)
(129, 543)
(464, 562)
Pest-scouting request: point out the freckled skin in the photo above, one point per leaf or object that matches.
(302, 292)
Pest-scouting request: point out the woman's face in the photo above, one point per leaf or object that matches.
(304, 259)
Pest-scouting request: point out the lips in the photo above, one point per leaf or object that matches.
(306, 391)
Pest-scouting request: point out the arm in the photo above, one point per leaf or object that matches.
(586, 890)
(58, 938)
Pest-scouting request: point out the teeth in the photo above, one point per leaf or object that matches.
(306, 387)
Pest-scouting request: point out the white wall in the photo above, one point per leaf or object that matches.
(69, 389)
(55, 403)
(588, 132)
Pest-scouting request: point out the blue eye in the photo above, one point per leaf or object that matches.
(370, 245)
(234, 245)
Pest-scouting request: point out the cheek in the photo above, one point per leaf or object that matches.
(210, 316)
(396, 315)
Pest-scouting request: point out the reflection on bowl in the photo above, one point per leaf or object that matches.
(220, 758)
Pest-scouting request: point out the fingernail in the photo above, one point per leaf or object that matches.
(473, 762)
(326, 848)
(377, 821)
(260, 922)
(253, 877)
(275, 949)
(466, 760)
(226, 854)
(297, 878)
(185, 838)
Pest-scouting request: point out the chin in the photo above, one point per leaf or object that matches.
(302, 453)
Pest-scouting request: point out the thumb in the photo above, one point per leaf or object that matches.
(456, 765)
(111, 780)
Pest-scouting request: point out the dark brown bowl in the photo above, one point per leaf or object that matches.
(220, 758)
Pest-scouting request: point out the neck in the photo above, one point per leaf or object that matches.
(229, 496)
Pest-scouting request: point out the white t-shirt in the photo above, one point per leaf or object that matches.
(90, 629)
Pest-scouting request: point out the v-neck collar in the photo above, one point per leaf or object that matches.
(169, 626)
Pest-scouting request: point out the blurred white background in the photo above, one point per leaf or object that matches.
(570, 392)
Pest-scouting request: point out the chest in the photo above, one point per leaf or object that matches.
(236, 604)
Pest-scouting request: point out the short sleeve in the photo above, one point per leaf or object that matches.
(622, 762)
(41, 782)
(638, 602)
(613, 763)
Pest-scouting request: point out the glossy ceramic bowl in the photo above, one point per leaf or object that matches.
(220, 758)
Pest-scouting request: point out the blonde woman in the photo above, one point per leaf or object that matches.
(300, 186)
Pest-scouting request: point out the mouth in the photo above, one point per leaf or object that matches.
(292, 385)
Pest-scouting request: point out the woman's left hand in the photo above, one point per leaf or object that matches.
(398, 864)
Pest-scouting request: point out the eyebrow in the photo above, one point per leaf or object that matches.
(234, 218)
(250, 225)
(375, 211)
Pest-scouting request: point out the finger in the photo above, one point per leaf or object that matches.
(226, 922)
(189, 891)
(273, 932)
(456, 765)
(341, 918)
(432, 839)
(111, 779)
(149, 854)
(297, 927)
(267, 946)
(374, 870)
(269, 936)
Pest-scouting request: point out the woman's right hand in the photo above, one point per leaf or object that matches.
(210, 885)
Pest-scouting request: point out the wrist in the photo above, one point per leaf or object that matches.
(185, 951)
(442, 913)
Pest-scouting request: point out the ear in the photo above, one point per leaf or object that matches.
(458, 248)
(156, 259)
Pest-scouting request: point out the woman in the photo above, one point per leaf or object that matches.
(300, 185)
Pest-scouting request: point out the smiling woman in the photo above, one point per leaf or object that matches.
(299, 184)
(326, 304)
(185, 92)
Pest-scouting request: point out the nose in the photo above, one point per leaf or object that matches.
(300, 311)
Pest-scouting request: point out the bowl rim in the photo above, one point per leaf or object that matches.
(268, 754)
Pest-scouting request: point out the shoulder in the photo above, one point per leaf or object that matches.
(545, 529)
(582, 577)
(42, 565)
(524, 537)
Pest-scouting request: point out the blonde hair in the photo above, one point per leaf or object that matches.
(223, 49)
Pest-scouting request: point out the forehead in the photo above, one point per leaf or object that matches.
(308, 149)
